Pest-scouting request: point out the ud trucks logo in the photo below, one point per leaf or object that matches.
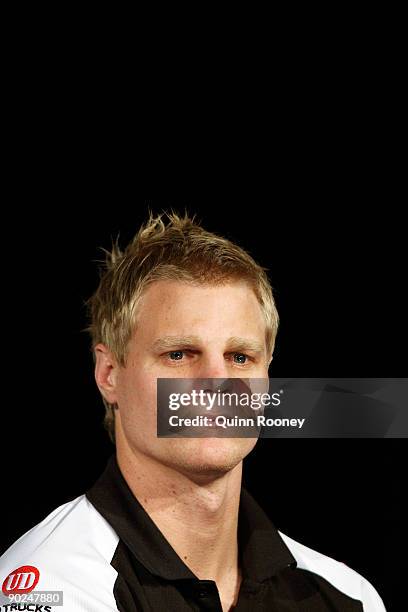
(21, 580)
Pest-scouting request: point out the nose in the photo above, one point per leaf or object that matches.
(210, 368)
(210, 385)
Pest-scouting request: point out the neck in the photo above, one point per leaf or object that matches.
(198, 516)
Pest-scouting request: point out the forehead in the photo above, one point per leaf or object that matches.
(207, 311)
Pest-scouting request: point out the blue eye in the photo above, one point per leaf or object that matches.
(176, 355)
(240, 358)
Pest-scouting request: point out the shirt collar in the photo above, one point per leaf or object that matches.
(262, 551)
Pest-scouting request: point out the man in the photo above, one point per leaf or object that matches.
(168, 526)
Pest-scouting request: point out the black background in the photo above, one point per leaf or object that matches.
(337, 270)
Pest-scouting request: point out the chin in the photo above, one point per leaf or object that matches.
(210, 456)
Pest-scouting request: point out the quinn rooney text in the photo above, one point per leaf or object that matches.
(225, 422)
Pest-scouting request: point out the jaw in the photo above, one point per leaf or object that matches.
(208, 457)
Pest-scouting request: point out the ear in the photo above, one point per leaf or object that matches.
(106, 370)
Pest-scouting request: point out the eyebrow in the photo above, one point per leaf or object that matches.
(245, 344)
(235, 343)
(168, 342)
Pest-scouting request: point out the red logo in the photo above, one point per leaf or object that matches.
(21, 580)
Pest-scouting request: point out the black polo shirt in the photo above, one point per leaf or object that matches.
(152, 577)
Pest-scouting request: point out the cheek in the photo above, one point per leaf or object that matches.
(137, 395)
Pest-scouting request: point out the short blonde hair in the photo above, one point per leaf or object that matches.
(168, 247)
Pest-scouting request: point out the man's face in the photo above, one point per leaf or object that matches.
(186, 331)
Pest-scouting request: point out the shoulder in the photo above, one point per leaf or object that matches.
(336, 573)
(70, 551)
